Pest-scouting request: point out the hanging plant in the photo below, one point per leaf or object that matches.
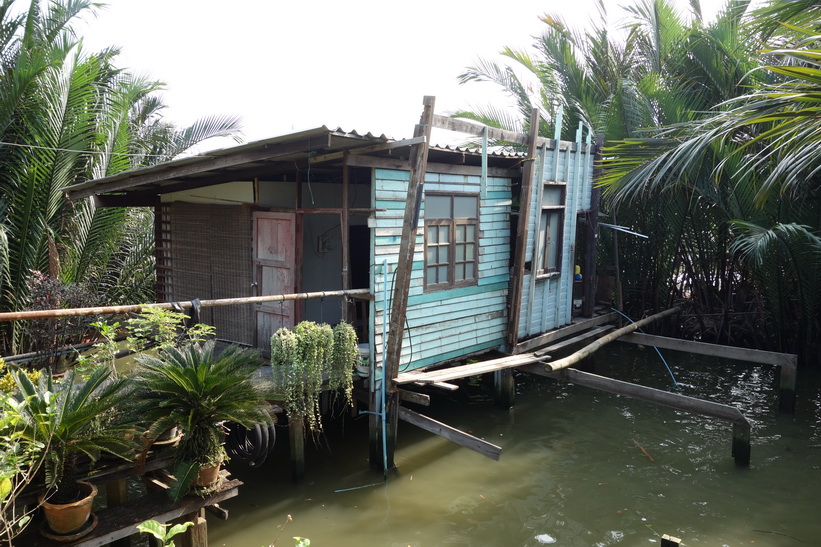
(343, 360)
(303, 359)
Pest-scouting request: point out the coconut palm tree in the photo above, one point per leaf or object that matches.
(756, 159)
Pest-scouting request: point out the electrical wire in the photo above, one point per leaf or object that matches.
(663, 360)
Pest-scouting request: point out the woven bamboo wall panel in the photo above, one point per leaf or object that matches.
(209, 255)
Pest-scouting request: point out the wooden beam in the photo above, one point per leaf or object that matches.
(296, 439)
(463, 126)
(413, 397)
(787, 362)
(463, 371)
(562, 332)
(367, 150)
(452, 434)
(713, 350)
(574, 340)
(444, 168)
(419, 158)
(194, 166)
(518, 270)
(741, 426)
(601, 342)
(126, 201)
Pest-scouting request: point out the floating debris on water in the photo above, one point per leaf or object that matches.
(545, 539)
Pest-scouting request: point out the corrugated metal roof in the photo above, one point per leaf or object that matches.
(240, 160)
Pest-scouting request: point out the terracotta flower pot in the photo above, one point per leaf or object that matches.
(69, 518)
(208, 475)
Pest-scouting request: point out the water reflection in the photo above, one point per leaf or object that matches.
(572, 470)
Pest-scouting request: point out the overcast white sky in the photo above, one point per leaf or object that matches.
(291, 65)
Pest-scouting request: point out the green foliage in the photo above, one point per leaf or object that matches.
(161, 532)
(161, 327)
(195, 389)
(303, 359)
(71, 116)
(19, 462)
(74, 418)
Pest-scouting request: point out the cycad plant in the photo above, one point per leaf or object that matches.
(197, 389)
(74, 419)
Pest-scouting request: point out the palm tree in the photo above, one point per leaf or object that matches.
(756, 159)
(67, 116)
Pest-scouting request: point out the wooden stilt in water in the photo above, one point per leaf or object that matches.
(374, 426)
(786, 401)
(392, 423)
(669, 541)
(296, 436)
(504, 388)
(741, 443)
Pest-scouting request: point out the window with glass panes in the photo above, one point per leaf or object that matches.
(451, 239)
(551, 224)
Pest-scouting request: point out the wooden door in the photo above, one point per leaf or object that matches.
(274, 266)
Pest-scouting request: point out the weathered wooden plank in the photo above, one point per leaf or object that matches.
(414, 397)
(563, 332)
(367, 150)
(451, 433)
(714, 350)
(389, 163)
(473, 128)
(121, 521)
(472, 369)
(588, 350)
(574, 340)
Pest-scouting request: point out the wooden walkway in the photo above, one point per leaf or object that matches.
(542, 355)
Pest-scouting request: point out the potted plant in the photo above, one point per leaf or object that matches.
(71, 420)
(197, 390)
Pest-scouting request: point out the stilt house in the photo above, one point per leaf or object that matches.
(501, 243)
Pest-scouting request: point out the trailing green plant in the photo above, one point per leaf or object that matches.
(303, 359)
(161, 532)
(344, 356)
(74, 419)
(197, 390)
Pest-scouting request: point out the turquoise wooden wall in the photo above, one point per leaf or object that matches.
(446, 324)
(547, 300)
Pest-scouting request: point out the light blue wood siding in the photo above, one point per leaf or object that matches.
(446, 324)
(547, 300)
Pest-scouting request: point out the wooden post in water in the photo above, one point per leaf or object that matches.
(669, 541)
(197, 535)
(741, 443)
(296, 437)
(504, 388)
(786, 400)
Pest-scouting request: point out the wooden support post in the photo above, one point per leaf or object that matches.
(670, 541)
(197, 535)
(786, 401)
(116, 493)
(296, 436)
(346, 244)
(404, 267)
(741, 443)
(374, 428)
(592, 238)
(504, 388)
(518, 270)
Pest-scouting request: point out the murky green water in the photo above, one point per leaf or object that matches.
(572, 472)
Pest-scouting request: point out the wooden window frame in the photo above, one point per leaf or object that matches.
(542, 271)
(452, 222)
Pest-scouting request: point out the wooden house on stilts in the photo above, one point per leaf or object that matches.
(434, 254)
